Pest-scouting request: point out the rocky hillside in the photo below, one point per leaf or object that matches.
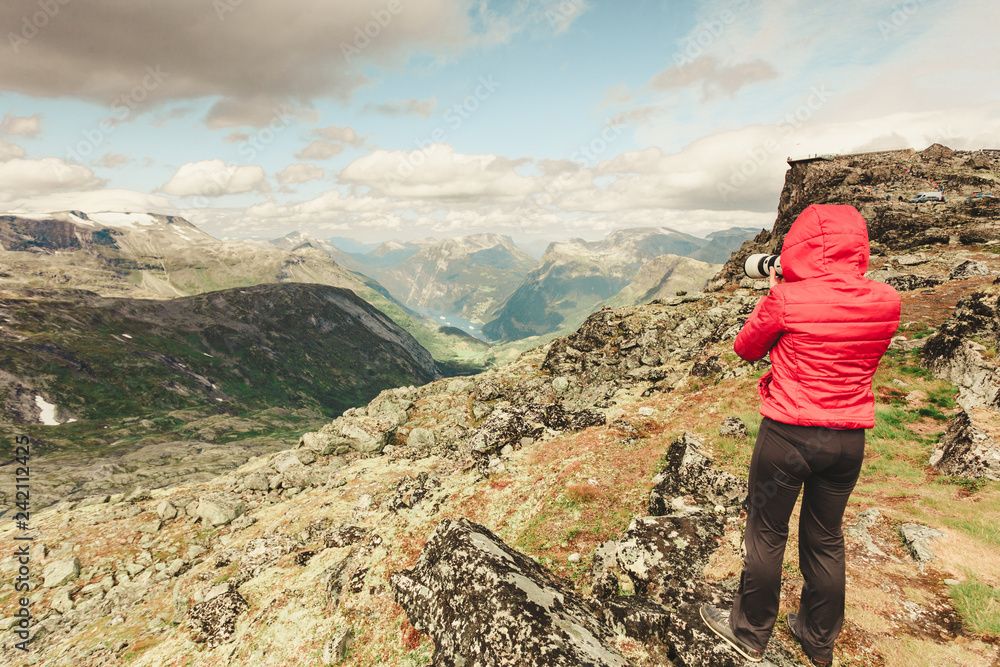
(468, 276)
(576, 276)
(151, 371)
(573, 507)
(155, 256)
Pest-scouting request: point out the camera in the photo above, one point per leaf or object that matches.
(759, 266)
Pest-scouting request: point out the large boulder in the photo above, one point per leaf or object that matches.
(484, 603)
(216, 509)
(969, 447)
(364, 433)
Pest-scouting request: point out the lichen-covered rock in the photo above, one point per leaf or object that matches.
(508, 426)
(663, 554)
(410, 491)
(969, 269)
(969, 447)
(364, 433)
(217, 509)
(688, 471)
(260, 553)
(214, 621)
(335, 650)
(484, 603)
(916, 539)
(733, 427)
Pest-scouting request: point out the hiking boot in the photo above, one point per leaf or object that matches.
(718, 622)
(790, 619)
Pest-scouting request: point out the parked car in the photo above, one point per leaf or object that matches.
(935, 196)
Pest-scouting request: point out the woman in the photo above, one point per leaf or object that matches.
(826, 327)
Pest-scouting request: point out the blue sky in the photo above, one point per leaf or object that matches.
(534, 118)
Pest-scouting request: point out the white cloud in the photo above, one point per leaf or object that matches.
(25, 126)
(94, 200)
(112, 160)
(9, 151)
(439, 173)
(35, 177)
(712, 76)
(214, 178)
(227, 49)
(412, 105)
(344, 135)
(320, 150)
(300, 173)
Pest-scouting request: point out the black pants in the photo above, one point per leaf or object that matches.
(786, 458)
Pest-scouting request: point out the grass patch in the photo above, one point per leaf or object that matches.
(979, 605)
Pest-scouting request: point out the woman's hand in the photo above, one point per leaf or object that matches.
(775, 278)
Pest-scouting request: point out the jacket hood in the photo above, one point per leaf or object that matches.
(826, 240)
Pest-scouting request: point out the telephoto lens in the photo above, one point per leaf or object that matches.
(759, 266)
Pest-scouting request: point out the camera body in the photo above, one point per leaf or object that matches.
(758, 266)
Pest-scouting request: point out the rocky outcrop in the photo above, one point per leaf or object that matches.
(880, 185)
(688, 471)
(969, 448)
(958, 351)
(513, 425)
(618, 347)
(484, 603)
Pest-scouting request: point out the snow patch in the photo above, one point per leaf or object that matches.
(115, 219)
(48, 416)
(126, 336)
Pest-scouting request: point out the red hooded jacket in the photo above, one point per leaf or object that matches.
(826, 326)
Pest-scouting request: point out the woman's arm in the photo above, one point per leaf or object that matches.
(763, 327)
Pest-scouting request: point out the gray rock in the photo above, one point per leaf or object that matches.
(321, 443)
(255, 481)
(60, 572)
(660, 554)
(217, 509)
(365, 434)
(967, 448)
(175, 567)
(688, 470)
(560, 385)
(260, 553)
(460, 386)
(214, 621)
(733, 427)
(165, 510)
(335, 650)
(916, 539)
(61, 601)
(969, 269)
(484, 603)
(136, 494)
(151, 527)
(420, 437)
(94, 500)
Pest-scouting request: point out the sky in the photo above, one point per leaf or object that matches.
(539, 119)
